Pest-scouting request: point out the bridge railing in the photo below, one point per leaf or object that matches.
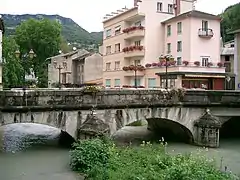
(115, 98)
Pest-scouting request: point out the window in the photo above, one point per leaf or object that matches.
(159, 7)
(204, 61)
(108, 82)
(232, 45)
(227, 67)
(170, 8)
(117, 30)
(227, 58)
(179, 60)
(137, 43)
(117, 65)
(179, 27)
(169, 30)
(136, 62)
(171, 83)
(108, 33)
(179, 46)
(139, 23)
(168, 48)
(205, 25)
(117, 47)
(108, 66)
(151, 82)
(108, 50)
(138, 82)
(117, 83)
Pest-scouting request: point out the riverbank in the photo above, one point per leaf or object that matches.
(102, 160)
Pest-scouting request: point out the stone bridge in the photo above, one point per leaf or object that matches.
(197, 115)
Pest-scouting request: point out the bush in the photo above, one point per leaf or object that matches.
(89, 153)
(146, 162)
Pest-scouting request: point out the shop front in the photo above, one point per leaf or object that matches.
(190, 80)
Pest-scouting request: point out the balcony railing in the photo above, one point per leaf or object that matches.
(133, 51)
(135, 31)
(206, 33)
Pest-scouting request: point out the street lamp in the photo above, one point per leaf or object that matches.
(166, 58)
(59, 67)
(23, 58)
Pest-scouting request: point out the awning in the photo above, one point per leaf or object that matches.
(96, 81)
(203, 76)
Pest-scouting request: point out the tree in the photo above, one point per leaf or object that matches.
(44, 37)
(230, 21)
(12, 68)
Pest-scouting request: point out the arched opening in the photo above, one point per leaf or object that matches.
(170, 130)
(23, 136)
(230, 129)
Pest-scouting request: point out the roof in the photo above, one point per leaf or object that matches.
(194, 13)
(110, 18)
(79, 51)
(208, 120)
(227, 51)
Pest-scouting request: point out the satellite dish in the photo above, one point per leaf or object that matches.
(74, 48)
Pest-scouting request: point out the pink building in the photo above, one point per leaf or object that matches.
(138, 40)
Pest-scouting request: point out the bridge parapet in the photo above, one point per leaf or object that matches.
(108, 99)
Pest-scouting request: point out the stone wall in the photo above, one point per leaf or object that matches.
(40, 100)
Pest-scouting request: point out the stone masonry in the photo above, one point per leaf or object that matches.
(68, 110)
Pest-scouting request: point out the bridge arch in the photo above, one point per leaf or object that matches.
(170, 130)
(230, 128)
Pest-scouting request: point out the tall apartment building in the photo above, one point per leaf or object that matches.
(154, 29)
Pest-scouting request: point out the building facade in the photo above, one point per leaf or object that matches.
(237, 58)
(77, 67)
(227, 59)
(135, 39)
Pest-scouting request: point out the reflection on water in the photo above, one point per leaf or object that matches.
(41, 159)
(39, 164)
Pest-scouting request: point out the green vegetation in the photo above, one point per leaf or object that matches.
(12, 69)
(71, 31)
(230, 21)
(102, 160)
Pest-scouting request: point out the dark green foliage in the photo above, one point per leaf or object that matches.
(230, 21)
(71, 31)
(12, 67)
(146, 162)
(44, 37)
(88, 154)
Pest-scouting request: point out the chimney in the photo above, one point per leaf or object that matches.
(177, 7)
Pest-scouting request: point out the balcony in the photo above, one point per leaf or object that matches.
(134, 51)
(187, 67)
(205, 33)
(130, 70)
(134, 32)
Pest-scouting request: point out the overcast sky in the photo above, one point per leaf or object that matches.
(89, 13)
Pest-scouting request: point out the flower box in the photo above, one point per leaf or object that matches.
(185, 63)
(197, 63)
(148, 65)
(209, 64)
(220, 64)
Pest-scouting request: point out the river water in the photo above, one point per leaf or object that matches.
(51, 162)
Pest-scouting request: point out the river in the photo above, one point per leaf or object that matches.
(52, 162)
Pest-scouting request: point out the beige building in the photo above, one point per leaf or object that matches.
(152, 29)
(77, 67)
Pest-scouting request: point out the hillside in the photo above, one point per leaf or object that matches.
(71, 31)
(230, 21)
